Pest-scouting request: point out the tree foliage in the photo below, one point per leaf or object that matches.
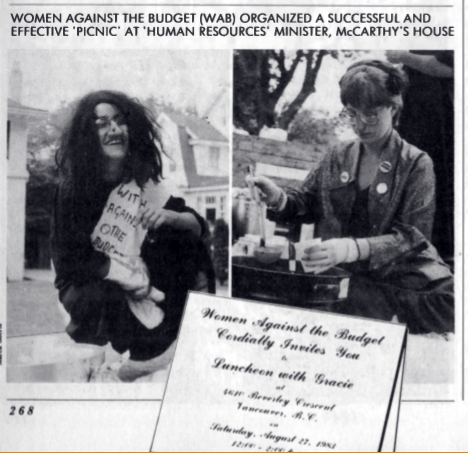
(261, 78)
(317, 130)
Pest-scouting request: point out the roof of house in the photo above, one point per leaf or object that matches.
(197, 126)
(193, 178)
(16, 108)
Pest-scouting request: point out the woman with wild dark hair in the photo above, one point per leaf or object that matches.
(372, 203)
(125, 251)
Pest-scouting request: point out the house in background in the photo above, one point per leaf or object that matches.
(17, 139)
(198, 162)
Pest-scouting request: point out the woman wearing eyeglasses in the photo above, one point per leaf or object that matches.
(125, 251)
(372, 202)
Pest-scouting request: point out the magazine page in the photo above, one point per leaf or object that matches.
(296, 158)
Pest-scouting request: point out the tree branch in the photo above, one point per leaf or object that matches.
(308, 87)
(286, 75)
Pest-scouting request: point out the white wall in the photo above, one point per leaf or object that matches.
(173, 165)
(202, 158)
(17, 178)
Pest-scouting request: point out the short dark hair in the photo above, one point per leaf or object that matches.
(80, 159)
(373, 83)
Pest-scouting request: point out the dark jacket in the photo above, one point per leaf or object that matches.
(98, 308)
(401, 207)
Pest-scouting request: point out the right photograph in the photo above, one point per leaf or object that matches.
(343, 193)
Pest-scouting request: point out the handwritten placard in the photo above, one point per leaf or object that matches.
(257, 377)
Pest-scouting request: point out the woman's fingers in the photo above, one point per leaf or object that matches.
(269, 190)
(265, 184)
(141, 215)
(156, 219)
(317, 252)
(148, 218)
(155, 295)
(325, 265)
(313, 249)
(315, 260)
(159, 220)
(317, 255)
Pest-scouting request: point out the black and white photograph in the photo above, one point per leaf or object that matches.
(233, 226)
(118, 182)
(343, 197)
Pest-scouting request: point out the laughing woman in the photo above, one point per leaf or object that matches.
(125, 251)
(372, 202)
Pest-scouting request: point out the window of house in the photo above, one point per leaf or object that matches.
(214, 155)
(210, 200)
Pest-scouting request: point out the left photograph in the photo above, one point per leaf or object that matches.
(118, 206)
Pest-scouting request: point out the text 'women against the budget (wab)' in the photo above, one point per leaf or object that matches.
(229, 25)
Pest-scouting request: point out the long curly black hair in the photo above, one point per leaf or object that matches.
(80, 159)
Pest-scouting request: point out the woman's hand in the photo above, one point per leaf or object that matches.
(131, 273)
(427, 64)
(270, 192)
(155, 295)
(146, 309)
(331, 253)
(396, 56)
(152, 219)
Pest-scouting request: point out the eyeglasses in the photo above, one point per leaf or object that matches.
(351, 117)
(103, 122)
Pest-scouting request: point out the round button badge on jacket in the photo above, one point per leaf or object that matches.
(382, 188)
(344, 177)
(385, 167)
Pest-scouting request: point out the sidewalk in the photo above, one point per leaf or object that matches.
(32, 304)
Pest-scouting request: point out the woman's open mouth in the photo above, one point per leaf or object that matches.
(115, 142)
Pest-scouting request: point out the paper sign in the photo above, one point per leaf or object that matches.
(249, 376)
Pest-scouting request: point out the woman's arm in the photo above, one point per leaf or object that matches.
(414, 218)
(73, 255)
(187, 221)
(427, 64)
(152, 220)
(174, 214)
(301, 204)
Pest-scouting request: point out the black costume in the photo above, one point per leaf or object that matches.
(98, 308)
(427, 122)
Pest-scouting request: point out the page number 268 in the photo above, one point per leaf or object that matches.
(23, 410)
